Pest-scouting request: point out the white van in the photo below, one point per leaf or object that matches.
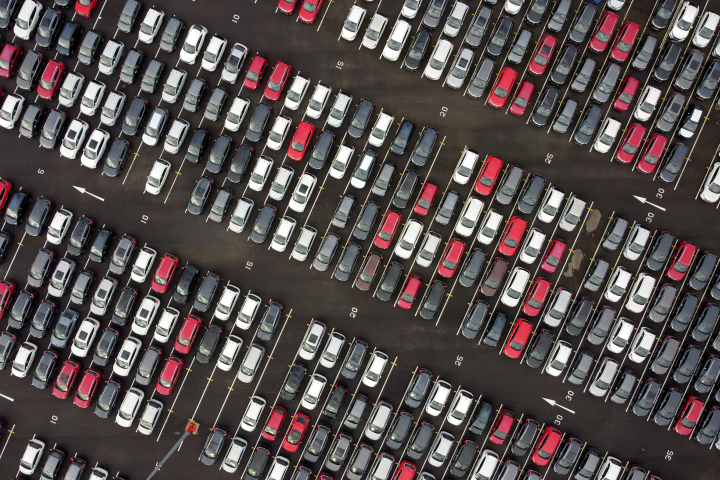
(375, 368)
(438, 398)
(428, 249)
(227, 302)
(607, 136)
(296, 92)
(396, 40)
(252, 413)
(469, 217)
(260, 173)
(166, 324)
(550, 205)
(318, 100)
(332, 350)
(408, 239)
(465, 166)
(229, 352)
(251, 363)
(240, 215)
(636, 242)
(438, 60)
(489, 227)
(459, 407)
(282, 235)
(647, 103)
(572, 213)
(559, 357)
(341, 161)
(304, 243)
(247, 312)
(381, 129)
(313, 391)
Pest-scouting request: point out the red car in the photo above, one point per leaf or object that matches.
(513, 235)
(502, 87)
(187, 334)
(309, 11)
(7, 288)
(255, 72)
(9, 59)
(542, 55)
(522, 98)
(425, 200)
(169, 375)
(5, 188)
(287, 6)
(385, 235)
(553, 256)
(277, 80)
(296, 432)
(405, 471)
(66, 379)
(409, 293)
(86, 390)
(502, 426)
(652, 153)
(625, 41)
(631, 143)
(274, 422)
(451, 258)
(536, 298)
(627, 92)
(300, 141)
(546, 446)
(50, 79)
(164, 273)
(518, 338)
(689, 416)
(488, 176)
(603, 32)
(682, 261)
(85, 7)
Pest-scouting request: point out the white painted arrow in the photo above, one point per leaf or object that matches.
(83, 191)
(643, 200)
(555, 404)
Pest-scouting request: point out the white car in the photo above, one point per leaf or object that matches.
(236, 114)
(438, 398)
(374, 31)
(158, 175)
(70, 89)
(240, 215)
(129, 408)
(428, 248)
(126, 356)
(559, 357)
(229, 353)
(550, 205)
(408, 239)
(150, 416)
(213, 53)
(155, 126)
(340, 163)
(23, 360)
(469, 217)
(489, 227)
(95, 148)
(339, 109)
(465, 166)
(99, 474)
(647, 103)
(234, 63)
(110, 58)
(61, 276)
(313, 339)
(59, 226)
(607, 135)
(410, 8)
(454, 22)
(193, 44)
(641, 345)
(27, 19)
(684, 21)
(145, 315)
(296, 92)
(558, 307)
(176, 135)
(92, 97)
(332, 350)
(313, 391)
(351, 25)
(304, 243)
(515, 287)
(31, 456)
(438, 60)
(318, 101)
(166, 324)
(111, 109)
(380, 130)
(706, 29)
(711, 188)
(532, 247)
(375, 369)
(513, 6)
(252, 414)
(485, 466)
(640, 293)
(73, 139)
(143, 264)
(279, 131)
(103, 296)
(620, 335)
(150, 25)
(174, 85)
(302, 193)
(362, 170)
(617, 285)
(615, 4)
(396, 41)
(84, 337)
(11, 110)
(227, 301)
(260, 173)
(247, 312)
(636, 242)
(251, 362)
(281, 182)
(234, 455)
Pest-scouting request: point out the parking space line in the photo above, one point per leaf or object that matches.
(11, 432)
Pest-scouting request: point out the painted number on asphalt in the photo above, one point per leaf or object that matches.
(569, 395)
(339, 65)
(458, 360)
(558, 419)
(668, 455)
(235, 18)
(660, 192)
(53, 419)
(353, 312)
(443, 111)
(548, 157)
(144, 219)
(249, 265)
(41, 171)
(650, 217)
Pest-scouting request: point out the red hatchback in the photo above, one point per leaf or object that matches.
(5, 188)
(7, 288)
(652, 153)
(513, 235)
(689, 416)
(522, 98)
(627, 92)
(66, 379)
(274, 422)
(50, 79)
(84, 8)
(87, 388)
(603, 32)
(187, 334)
(389, 226)
(682, 261)
(9, 59)
(488, 176)
(546, 446)
(451, 259)
(296, 432)
(631, 143)
(624, 43)
(164, 273)
(300, 141)
(409, 293)
(553, 256)
(255, 72)
(536, 298)
(542, 55)
(518, 338)
(425, 200)
(503, 86)
(287, 6)
(169, 375)
(309, 10)
(277, 80)
(405, 471)
(502, 426)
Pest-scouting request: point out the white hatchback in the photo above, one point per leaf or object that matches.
(145, 315)
(515, 287)
(296, 92)
(408, 239)
(84, 337)
(126, 356)
(438, 60)
(158, 175)
(213, 53)
(129, 407)
(95, 148)
(302, 193)
(193, 44)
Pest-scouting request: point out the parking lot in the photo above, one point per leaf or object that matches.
(210, 396)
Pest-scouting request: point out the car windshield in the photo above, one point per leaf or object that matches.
(232, 63)
(500, 92)
(605, 86)
(683, 24)
(189, 48)
(416, 52)
(436, 64)
(350, 26)
(62, 382)
(644, 56)
(588, 128)
(521, 102)
(210, 56)
(624, 47)
(394, 44)
(540, 59)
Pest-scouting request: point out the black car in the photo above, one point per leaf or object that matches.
(597, 274)
(665, 355)
(690, 121)
(17, 207)
(500, 36)
(646, 396)
(567, 455)
(607, 82)
(134, 117)
(580, 316)
(384, 179)
(321, 151)
(316, 443)
(43, 318)
(601, 325)
(116, 157)
(389, 281)
(708, 375)
(124, 305)
(354, 359)
(663, 13)
(434, 13)
(447, 206)
(220, 205)
(343, 210)
(151, 77)
(215, 104)
(5, 244)
(39, 216)
(704, 268)
(645, 52)
(418, 49)
(8, 11)
(263, 222)
(106, 346)
(510, 185)
(149, 363)
(81, 287)
(257, 463)
(418, 388)
(200, 195)
(218, 154)
(69, 39)
(213, 444)
(108, 398)
(80, 235)
(402, 138)
(432, 300)
(662, 303)
(581, 367)
(8, 342)
(524, 437)
(197, 145)
(668, 60)
(121, 256)
(326, 252)
(358, 465)
(347, 261)
(536, 11)
(48, 27)
(366, 220)
(481, 78)
(706, 322)
(20, 310)
(584, 75)
(588, 465)
(292, 382)
(691, 66)
(171, 34)
(481, 418)
(269, 321)
(674, 161)
(239, 163)
(361, 118)
(52, 129)
(564, 65)
(31, 120)
(583, 23)
(355, 412)
(44, 372)
(670, 112)
(480, 23)
(559, 15)
(420, 440)
(40, 267)
(463, 458)
(194, 94)
(334, 402)
(424, 146)
(208, 343)
(519, 47)
(588, 125)
(472, 268)
(668, 406)
(258, 122)
(531, 194)
(90, 47)
(188, 277)
(709, 427)
(709, 83)
(129, 16)
(540, 348)
(64, 328)
(131, 66)
(659, 251)
(686, 365)
(494, 333)
(624, 387)
(615, 233)
(206, 292)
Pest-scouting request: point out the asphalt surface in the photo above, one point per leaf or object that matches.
(208, 395)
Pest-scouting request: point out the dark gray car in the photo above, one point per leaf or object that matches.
(559, 15)
(366, 220)
(601, 325)
(662, 303)
(583, 23)
(645, 52)
(263, 223)
(131, 66)
(531, 194)
(326, 252)
(646, 397)
(479, 26)
(670, 112)
(665, 355)
(669, 57)
(405, 189)
(194, 94)
(607, 82)
(481, 78)
(424, 146)
(588, 125)
(536, 11)
(361, 118)
(360, 461)
(383, 180)
(148, 364)
(121, 256)
(218, 154)
(321, 151)
(581, 367)
(420, 440)
(542, 112)
(52, 129)
(207, 345)
(31, 120)
(354, 359)
(171, 34)
(674, 162)
(206, 292)
(43, 375)
(434, 13)
(709, 83)
(510, 185)
(220, 205)
(519, 47)
(89, 47)
(432, 300)
(134, 117)
(64, 328)
(500, 36)
(564, 65)
(106, 347)
(129, 16)
(659, 251)
(565, 116)
(389, 281)
(343, 210)
(215, 104)
(447, 207)
(418, 49)
(474, 320)
(691, 66)
(347, 261)
(29, 70)
(258, 123)
(152, 75)
(584, 75)
(316, 443)
(615, 233)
